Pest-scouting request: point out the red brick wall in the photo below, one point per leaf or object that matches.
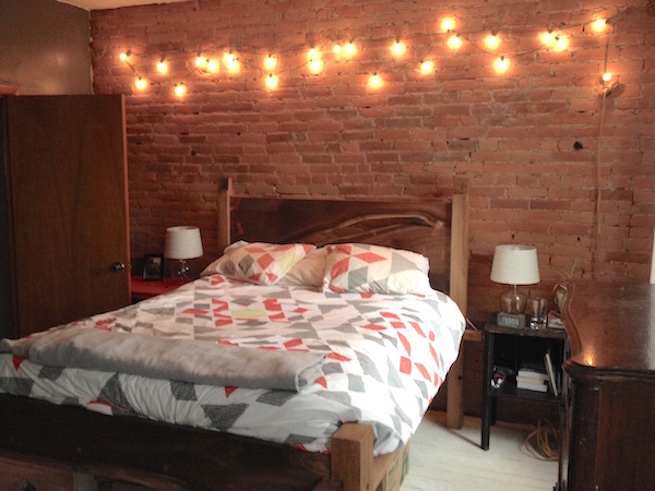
(513, 135)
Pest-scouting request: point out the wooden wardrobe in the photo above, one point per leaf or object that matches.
(64, 241)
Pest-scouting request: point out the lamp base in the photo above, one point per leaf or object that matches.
(183, 271)
(513, 301)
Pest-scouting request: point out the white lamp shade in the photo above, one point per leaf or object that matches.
(183, 243)
(515, 264)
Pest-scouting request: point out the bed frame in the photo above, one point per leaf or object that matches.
(168, 457)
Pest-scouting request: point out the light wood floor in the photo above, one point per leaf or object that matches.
(452, 460)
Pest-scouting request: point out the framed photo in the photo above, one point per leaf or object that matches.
(153, 267)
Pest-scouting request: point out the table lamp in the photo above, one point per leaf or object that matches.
(514, 265)
(183, 243)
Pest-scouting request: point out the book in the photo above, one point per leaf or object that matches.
(531, 385)
(551, 374)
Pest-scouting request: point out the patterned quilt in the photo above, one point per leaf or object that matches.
(385, 358)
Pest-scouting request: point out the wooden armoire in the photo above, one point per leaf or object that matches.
(64, 241)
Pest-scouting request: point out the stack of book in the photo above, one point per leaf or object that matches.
(537, 376)
(531, 379)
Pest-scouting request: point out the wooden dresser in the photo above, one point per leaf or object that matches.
(609, 429)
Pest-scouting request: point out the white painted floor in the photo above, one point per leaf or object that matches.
(452, 460)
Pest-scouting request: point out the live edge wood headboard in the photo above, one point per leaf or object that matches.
(436, 228)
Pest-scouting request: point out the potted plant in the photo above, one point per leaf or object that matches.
(561, 288)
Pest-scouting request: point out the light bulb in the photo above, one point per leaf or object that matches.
(455, 42)
(141, 83)
(180, 90)
(599, 25)
(271, 81)
(350, 49)
(162, 67)
(427, 66)
(448, 24)
(607, 76)
(336, 49)
(375, 81)
(501, 65)
(561, 42)
(201, 61)
(492, 41)
(547, 37)
(398, 48)
(270, 62)
(212, 66)
(312, 54)
(315, 66)
(124, 56)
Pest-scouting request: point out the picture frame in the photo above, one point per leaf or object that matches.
(153, 267)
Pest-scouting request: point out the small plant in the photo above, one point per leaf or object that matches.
(561, 288)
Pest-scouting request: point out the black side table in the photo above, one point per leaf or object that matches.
(510, 348)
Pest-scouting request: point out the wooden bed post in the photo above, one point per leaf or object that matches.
(459, 251)
(224, 212)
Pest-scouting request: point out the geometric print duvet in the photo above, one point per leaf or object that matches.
(385, 358)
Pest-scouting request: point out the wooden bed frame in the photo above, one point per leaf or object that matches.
(166, 456)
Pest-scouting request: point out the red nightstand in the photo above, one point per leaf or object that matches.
(146, 289)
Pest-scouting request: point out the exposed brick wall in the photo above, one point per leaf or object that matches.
(513, 135)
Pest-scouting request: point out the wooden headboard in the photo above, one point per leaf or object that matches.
(436, 228)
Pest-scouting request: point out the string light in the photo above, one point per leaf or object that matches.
(455, 42)
(501, 65)
(448, 24)
(398, 48)
(556, 40)
(492, 41)
(271, 81)
(180, 90)
(375, 81)
(599, 25)
(270, 62)
(427, 66)
(141, 83)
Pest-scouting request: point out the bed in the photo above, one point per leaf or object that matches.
(355, 448)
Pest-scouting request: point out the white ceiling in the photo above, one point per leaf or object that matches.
(113, 4)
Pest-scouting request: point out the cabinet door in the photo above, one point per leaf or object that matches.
(68, 199)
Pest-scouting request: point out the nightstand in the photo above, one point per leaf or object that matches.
(145, 289)
(507, 349)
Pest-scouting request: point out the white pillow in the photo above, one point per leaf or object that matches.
(308, 272)
(376, 269)
(258, 262)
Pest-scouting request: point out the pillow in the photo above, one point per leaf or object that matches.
(258, 262)
(308, 272)
(376, 269)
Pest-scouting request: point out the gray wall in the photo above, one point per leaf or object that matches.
(44, 47)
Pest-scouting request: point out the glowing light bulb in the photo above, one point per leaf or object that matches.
(599, 25)
(448, 24)
(607, 76)
(315, 66)
(270, 62)
(561, 42)
(492, 41)
(231, 62)
(312, 54)
(180, 90)
(427, 66)
(141, 83)
(501, 65)
(455, 42)
(201, 61)
(212, 66)
(547, 37)
(271, 81)
(162, 67)
(124, 56)
(398, 48)
(350, 49)
(375, 81)
(336, 49)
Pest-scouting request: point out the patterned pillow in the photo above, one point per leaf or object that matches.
(377, 269)
(308, 272)
(258, 262)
